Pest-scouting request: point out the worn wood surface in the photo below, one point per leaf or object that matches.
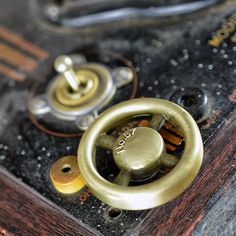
(24, 212)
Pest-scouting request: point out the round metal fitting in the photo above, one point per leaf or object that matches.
(118, 194)
(194, 100)
(65, 175)
(96, 89)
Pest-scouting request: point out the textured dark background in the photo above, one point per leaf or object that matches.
(168, 54)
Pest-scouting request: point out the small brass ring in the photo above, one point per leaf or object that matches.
(72, 99)
(152, 194)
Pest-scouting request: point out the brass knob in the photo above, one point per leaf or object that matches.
(139, 151)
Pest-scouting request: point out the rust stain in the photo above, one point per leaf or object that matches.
(9, 72)
(22, 43)
(16, 58)
(232, 96)
(85, 195)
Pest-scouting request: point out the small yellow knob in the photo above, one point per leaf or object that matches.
(65, 175)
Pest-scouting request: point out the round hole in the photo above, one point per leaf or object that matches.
(114, 212)
(66, 168)
(188, 100)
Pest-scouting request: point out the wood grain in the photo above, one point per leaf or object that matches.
(24, 212)
(16, 58)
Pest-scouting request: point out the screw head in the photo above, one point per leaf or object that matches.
(84, 122)
(39, 106)
(122, 76)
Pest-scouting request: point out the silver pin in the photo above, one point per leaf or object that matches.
(64, 66)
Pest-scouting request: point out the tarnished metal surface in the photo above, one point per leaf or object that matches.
(168, 54)
(141, 155)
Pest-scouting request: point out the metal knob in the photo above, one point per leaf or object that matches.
(139, 151)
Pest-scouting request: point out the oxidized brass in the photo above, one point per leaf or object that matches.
(158, 192)
(87, 89)
(139, 150)
(65, 175)
(96, 89)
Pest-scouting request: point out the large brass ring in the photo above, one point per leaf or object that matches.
(159, 191)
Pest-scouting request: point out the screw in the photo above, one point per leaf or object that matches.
(84, 122)
(39, 106)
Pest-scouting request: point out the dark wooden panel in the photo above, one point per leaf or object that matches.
(180, 216)
(24, 212)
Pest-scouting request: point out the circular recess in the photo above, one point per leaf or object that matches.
(113, 213)
(194, 100)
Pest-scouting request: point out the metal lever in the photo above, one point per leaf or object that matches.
(64, 66)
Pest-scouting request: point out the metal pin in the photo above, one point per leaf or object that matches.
(64, 66)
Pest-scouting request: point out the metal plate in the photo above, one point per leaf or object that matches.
(167, 55)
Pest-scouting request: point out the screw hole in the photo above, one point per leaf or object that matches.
(66, 168)
(114, 213)
(188, 100)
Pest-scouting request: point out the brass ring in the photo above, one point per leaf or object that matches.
(152, 194)
(85, 94)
